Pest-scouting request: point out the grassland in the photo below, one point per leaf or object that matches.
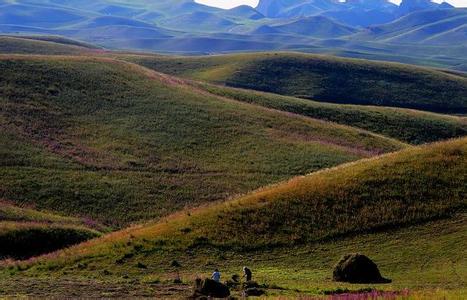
(25, 232)
(11, 213)
(415, 127)
(109, 140)
(412, 224)
(324, 78)
(43, 45)
(98, 138)
(411, 126)
(428, 261)
(57, 39)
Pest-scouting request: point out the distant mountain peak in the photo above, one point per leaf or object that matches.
(370, 3)
(246, 12)
(408, 6)
(283, 8)
(446, 5)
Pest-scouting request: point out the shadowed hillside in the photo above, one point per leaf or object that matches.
(26, 232)
(411, 126)
(120, 143)
(325, 79)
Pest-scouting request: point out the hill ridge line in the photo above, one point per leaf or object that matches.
(194, 85)
(156, 227)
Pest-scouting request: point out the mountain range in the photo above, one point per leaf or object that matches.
(432, 34)
(130, 174)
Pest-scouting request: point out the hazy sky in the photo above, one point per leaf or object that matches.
(234, 3)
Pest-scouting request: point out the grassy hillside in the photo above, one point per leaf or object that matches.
(45, 46)
(405, 125)
(400, 189)
(119, 143)
(59, 40)
(11, 213)
(26, 232)
(411, 126)
(323, 78)
(360, 206)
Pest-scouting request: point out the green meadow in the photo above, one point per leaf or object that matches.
(104, 139)
(115, 168)
(417, 239)
(323, 78)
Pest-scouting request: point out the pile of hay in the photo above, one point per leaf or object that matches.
(210, 288)
(357, 268)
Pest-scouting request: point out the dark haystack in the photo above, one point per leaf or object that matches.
(209, 287)
(357, 268)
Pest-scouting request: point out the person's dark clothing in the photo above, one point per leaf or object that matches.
(248, 274)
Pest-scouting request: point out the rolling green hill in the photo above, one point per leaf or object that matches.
(396, 190)
(43, 45)
(406, 209)
(324, 78)
(26, 232)
(59, 40)
(120, 143)
(411, 126)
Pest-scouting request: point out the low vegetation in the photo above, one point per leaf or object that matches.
(105, 138)
(319, 217)
(42, 45)
(324, 78)
(414, 186)
(25, 232)
(411, 126)
(119, 143)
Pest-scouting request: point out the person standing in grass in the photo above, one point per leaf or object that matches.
(247, 273)
(216, 276)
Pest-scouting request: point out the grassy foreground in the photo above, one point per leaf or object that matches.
(324, 78)
(371, 206)
(426, 261)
